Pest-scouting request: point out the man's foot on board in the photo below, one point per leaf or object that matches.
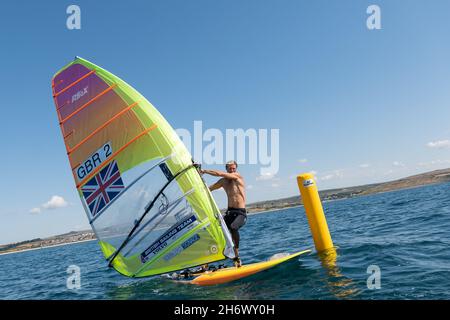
(205, 267)
(237, 262)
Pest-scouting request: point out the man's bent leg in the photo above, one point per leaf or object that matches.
(235, 236)
(234, 222)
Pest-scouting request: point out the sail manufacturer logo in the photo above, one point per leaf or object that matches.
(79, 94)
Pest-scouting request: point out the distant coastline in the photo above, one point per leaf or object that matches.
(428, 178)
(45, 247)
(55, 241)
(423, 179)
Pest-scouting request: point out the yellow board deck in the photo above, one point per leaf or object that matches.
(219, 276)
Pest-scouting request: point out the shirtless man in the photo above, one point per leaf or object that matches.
(236, 215)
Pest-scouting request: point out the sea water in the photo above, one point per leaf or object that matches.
(403, 235)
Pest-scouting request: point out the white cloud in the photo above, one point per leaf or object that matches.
(294, 176)
(440, 144)
(364, 165)
(397, 164)
(335, 174)
(432, 163)
(265, 176)
(275, 185)
(250, 187)
(314, 173)
(35, 210)
(54, 203)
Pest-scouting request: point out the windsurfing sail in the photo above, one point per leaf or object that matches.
(145, 200)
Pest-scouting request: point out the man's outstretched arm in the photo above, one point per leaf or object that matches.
(217, 185)
(226, 175)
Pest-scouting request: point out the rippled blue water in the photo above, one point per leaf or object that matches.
(405, 233)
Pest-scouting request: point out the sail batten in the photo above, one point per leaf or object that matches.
(134, 176)
(116, 154)
(101, 127)
(87, 104)
(74, 83)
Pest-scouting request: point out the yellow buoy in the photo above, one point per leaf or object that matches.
(314, 212)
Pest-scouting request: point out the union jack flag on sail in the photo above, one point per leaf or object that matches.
(103, 188)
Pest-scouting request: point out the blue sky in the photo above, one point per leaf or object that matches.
(353, 105)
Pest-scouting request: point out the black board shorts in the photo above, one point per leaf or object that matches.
(235, 218)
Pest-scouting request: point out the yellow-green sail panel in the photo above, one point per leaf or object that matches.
(146, 202)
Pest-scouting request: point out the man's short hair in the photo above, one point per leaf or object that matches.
(230, 163)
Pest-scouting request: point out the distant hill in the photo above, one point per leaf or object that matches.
(433, 177)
